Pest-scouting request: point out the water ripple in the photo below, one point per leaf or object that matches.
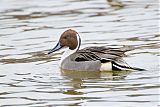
(30, 77)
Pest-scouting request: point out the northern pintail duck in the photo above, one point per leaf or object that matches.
(89, 58)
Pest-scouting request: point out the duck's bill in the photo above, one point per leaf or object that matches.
(56, 48)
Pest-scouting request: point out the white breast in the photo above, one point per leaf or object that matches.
(106, 66)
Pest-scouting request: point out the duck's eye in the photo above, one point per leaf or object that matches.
(65, 37)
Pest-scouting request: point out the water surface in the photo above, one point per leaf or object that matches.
(29, 77)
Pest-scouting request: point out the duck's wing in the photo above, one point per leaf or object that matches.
(99, 53)
(103, 52)
(117, 63)
(105, 55)
(82, 55)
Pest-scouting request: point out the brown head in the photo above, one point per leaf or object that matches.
(70, 39)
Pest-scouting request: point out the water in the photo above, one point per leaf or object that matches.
(29, 77)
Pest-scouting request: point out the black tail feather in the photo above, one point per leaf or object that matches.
(116, 66)
(137, 69)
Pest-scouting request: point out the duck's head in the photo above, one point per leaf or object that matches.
(70, 39)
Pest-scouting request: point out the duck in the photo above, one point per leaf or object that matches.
(92, 58)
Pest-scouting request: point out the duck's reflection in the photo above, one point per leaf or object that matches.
(110, 75)
(80, 74)
(79, 78)
(81, 81)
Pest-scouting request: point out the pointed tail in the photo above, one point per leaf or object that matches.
(116, 66)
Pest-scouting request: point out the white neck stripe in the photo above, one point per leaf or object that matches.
(69, 51)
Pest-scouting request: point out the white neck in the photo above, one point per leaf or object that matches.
(69, 51)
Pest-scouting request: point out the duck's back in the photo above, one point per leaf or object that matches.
(92, 58)
(98, 53)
